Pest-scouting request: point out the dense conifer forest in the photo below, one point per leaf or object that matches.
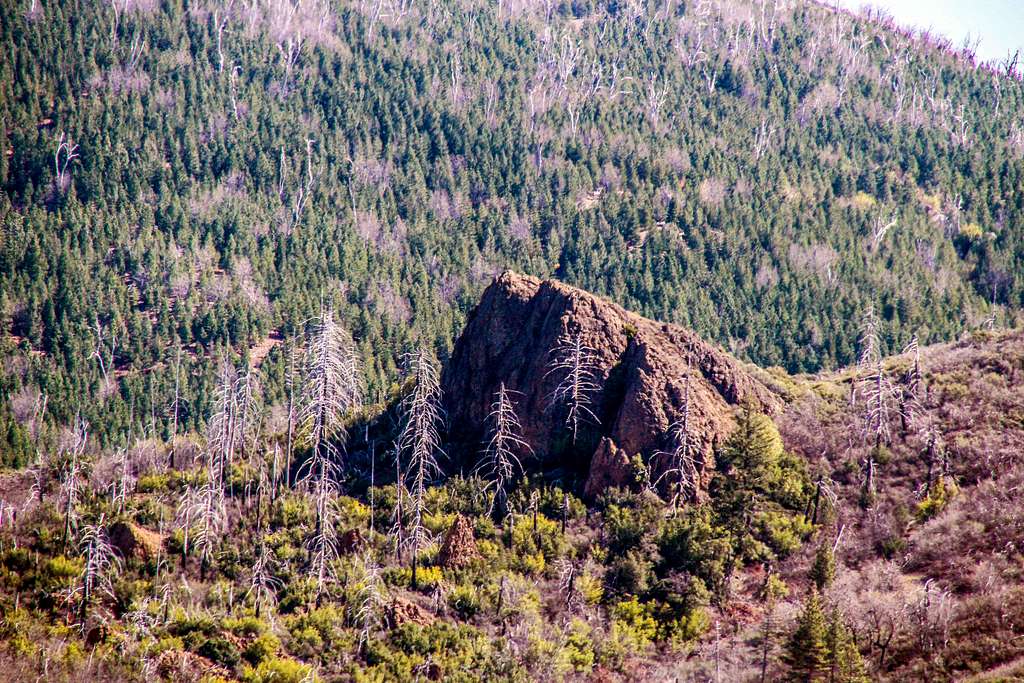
(198, 176)
(243, 245)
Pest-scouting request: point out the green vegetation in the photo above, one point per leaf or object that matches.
(235, 165)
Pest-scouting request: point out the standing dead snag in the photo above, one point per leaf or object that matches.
(100, 564)
(372, 600)
(879, 400)
(683, 465)
(202, 514)
(65, 153)
(420, 440)
(913, 386)
(330, 390)
(263, 584)
(222, 429)
(501, 464)
(577, 363)
(71, 479)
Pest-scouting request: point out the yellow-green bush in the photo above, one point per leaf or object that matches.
(579, 646)
(936, 501)
(277, 670)
(427, 577)
(633, 623)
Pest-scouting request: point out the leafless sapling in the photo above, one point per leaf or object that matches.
(372, 600)
(99, 566)
(263, 585)
(420, 442)
(500, 464)
(683, 472)
(575, 362)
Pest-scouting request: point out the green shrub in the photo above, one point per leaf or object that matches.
(465, 601)
(219, 650)
(277, 670)
(261, 649)
(579, 646)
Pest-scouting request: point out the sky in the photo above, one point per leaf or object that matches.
(999, 23)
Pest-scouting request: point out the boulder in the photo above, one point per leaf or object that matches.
(459, 546)
(402, 611)
(133, 541)
(610, 468)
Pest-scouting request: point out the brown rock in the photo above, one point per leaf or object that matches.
(402, 611)
(352, 541)
(640, 367)
(459, 546)
(610, 468)
(133, 541)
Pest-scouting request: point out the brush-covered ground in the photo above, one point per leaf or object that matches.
(924, 582)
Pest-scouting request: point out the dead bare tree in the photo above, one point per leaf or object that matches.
(100, 565)
(220, 22)
(763, 138)
(331, 389)
(106, 347)
(248, 402)
(65, 153)
(879, 399)
(575, 361)
(655, 97)
(881, 228)
(222, 427)
(202, 516)
(501, 465)
(331, 386)
(71, 478)
(683, 468)
(569, 571)
(420, 440)
(710, 77)
(123, 482)
(913, 388)
(372, 600)
(263, 585)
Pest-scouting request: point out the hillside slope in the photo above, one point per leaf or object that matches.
(128, 564)
(931, 578)
(199, 176)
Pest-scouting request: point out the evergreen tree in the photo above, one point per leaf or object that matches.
(844, 661)
(807, 654)
(823, 571)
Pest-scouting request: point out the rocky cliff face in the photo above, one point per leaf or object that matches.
(640, 366)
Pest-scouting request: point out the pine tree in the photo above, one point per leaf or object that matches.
(844, 661)
(807, 653)
(823, 571)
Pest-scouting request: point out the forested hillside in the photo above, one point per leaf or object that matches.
(186, 181)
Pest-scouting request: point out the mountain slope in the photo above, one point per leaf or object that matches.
(758, 172)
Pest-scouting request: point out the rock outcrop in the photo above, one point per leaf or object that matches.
(133, 541)
(459, 546)
(640, 367)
